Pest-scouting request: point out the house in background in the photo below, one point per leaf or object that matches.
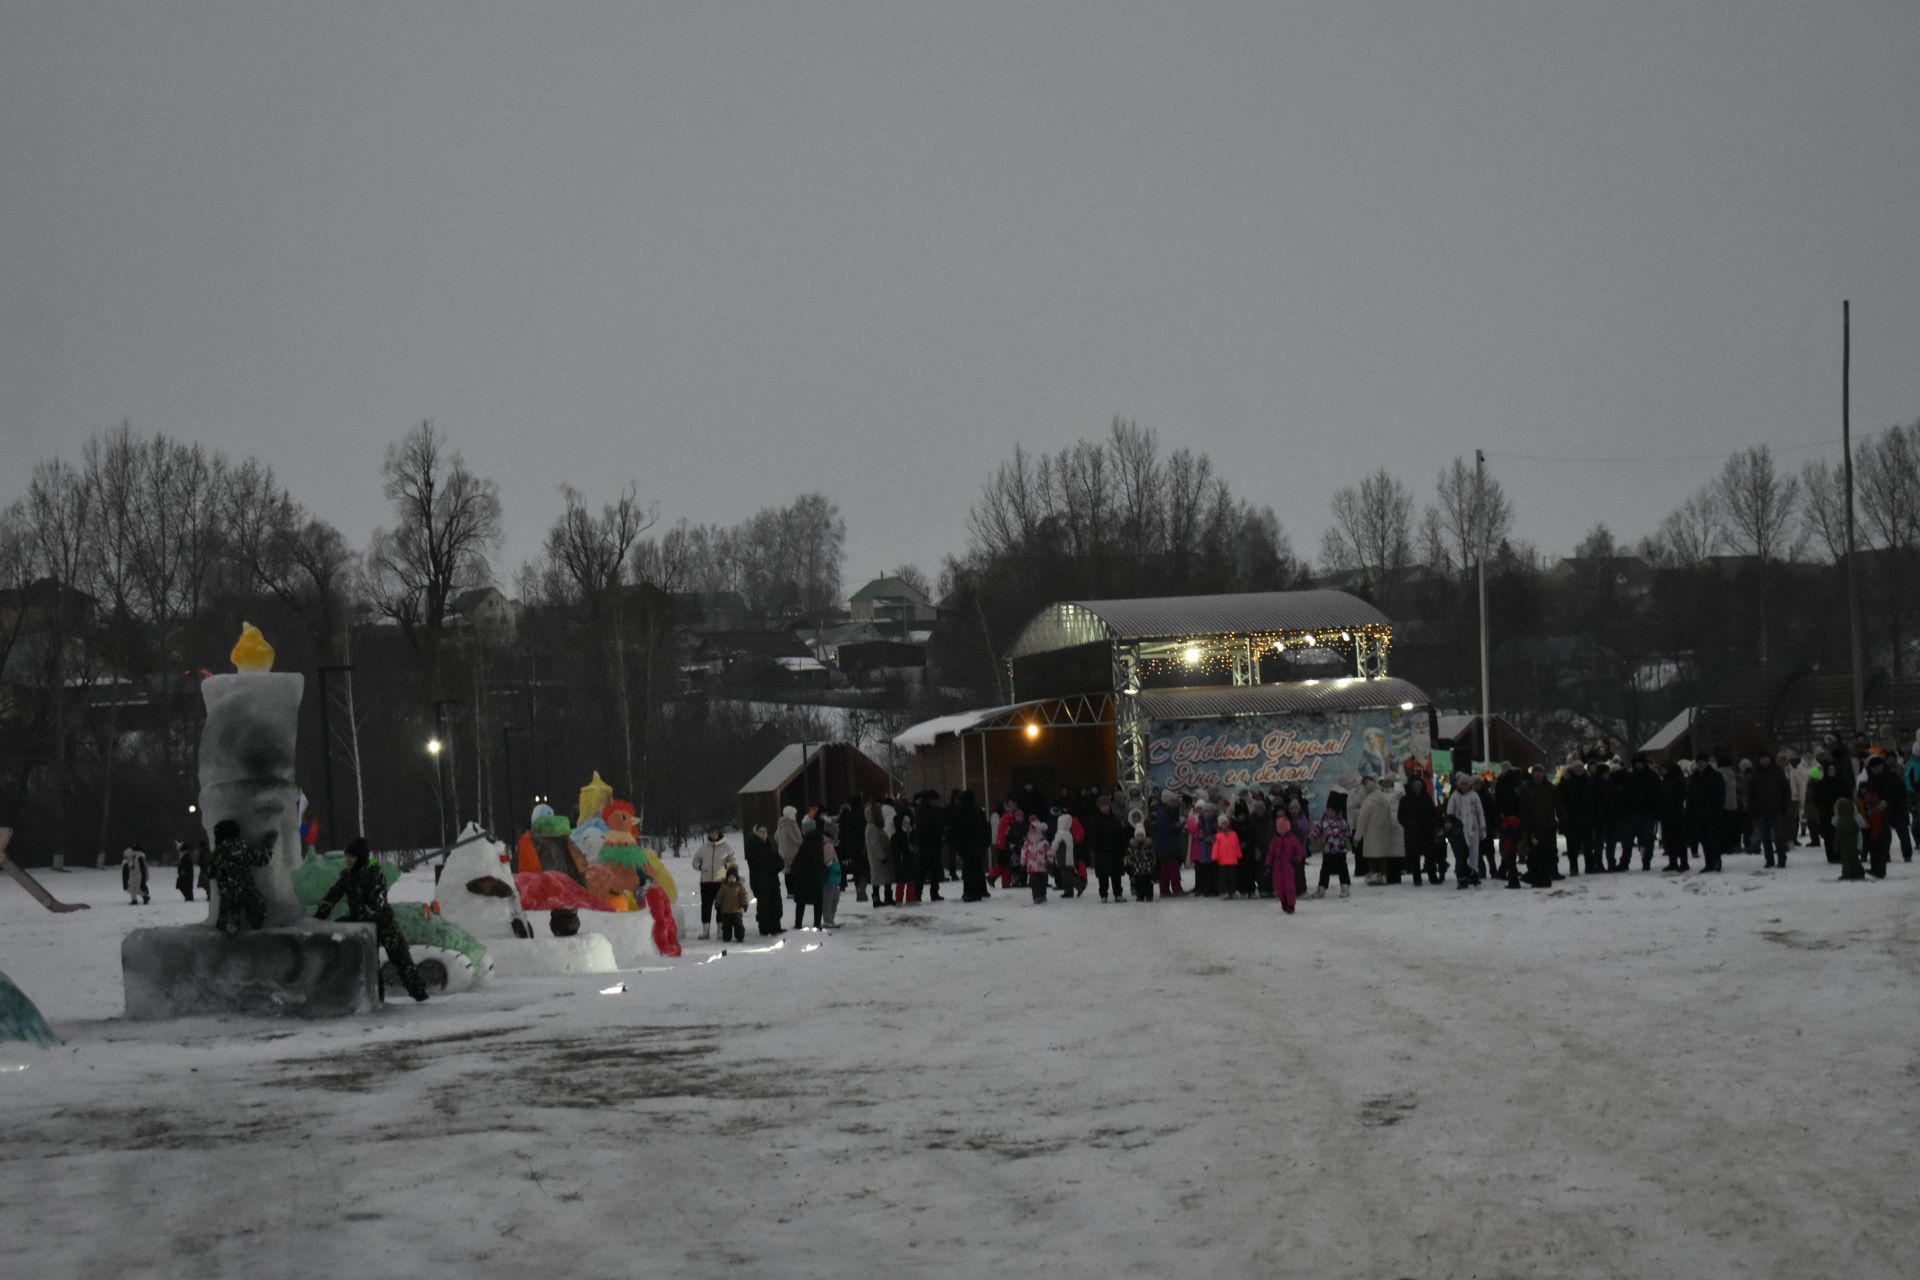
(892, 602)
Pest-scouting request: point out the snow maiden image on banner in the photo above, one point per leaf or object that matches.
(1318, 752)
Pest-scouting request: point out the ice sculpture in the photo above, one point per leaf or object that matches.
(295, 964)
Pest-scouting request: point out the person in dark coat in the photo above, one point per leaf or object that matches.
(1603, 789)
(1421, 823)
(1536, 807)
(808, 873)
(763, 879)
(905, 858)
(364, 886)
(1769, 801)
(969, 836)
(1169, 835)
(183, 874)
(1706, 811)
(1673, 815)
(1846, 839)
(1639, 811)
(1573, 811)
(1107, 842)
(929, 821)
(1893, 789)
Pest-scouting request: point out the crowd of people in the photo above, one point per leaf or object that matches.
(1851, 800)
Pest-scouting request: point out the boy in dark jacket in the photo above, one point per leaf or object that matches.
(230, 869)
(365, 888)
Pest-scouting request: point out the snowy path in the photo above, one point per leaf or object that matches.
(1629, 1075)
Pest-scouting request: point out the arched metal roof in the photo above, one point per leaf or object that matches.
(1074, 622)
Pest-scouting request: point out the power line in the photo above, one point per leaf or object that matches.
(1676, 457)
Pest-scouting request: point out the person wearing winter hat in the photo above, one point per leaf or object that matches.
(711, 860)
(1142, 858)
(364, 886)
(732, 904)
(1226, 856)
(1284, 852)
(1036, 855)
(808, 873)
(763, 880)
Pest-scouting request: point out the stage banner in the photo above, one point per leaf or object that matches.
(1319, 752)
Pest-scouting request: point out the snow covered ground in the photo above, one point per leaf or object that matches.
(1637, 1075)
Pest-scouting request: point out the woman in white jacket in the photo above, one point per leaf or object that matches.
(711, 861)
(1375, 829)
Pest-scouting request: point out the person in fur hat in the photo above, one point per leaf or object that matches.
(1142, 858)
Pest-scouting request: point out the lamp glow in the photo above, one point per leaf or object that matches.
(1406, 706)
(1033, 730)
(433, 746)
(1192, 655)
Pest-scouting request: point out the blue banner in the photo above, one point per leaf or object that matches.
(1318, 752)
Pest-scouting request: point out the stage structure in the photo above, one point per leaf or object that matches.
(1229, 691)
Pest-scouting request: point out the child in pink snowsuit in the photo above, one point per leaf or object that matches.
(1283, 854)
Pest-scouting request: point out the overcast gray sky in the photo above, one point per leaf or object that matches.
(741, 251)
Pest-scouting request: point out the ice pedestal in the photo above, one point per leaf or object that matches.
(308, 970)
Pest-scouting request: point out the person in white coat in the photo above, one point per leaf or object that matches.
(133, 875)
(1798, 771)
(1376, 830)
(711, 861)
(1466, 828)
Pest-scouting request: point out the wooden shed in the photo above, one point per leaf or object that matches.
(811, 773)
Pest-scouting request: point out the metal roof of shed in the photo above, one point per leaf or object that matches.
(1073, 622)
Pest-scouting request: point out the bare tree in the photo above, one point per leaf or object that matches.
(1691, 534)
(1759, 505)
(64, 531)
(1372, 531)
(447, 522)
(1888, 474)
(1823, 507)
(1474, 510)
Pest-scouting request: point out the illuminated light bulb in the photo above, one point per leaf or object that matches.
(1310, 642)
(1033, 730)
(1406, 706)
(1192, 655)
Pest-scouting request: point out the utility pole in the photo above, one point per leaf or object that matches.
(1846, 447)
(1480, 546)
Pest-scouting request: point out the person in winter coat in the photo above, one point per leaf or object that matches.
(1201, 826)
(1706, 811)
(807, 873)
(133, 875)
(732, 904)
(364, 886)
(902, 858)
(1373, 830)
(1284, 853)
(832, 878)
(1467, 827)
(1875, 823)
(786, 841)
(1573, 812)
(764, 866)
(1336, 835)
(183, 874)
(238, 903)
(1893, 788)
(1107, 843)
(1769, 802)
(1065, 856)
(1142, 859)
(969, 836)
(1226, 856)
(1846, 839)
(1640, 811)
(1036, 857)
(1167, 843)
(711, 860)
(1673, 815)
(1537, 807)
(1797, 771)
(879, 851)
(1419, 826)
(1603, 790)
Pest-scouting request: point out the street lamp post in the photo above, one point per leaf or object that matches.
(440, 706)
(439, 793)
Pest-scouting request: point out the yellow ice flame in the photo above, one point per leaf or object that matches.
(252, 653)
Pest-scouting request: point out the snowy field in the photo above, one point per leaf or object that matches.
(1637, 1076)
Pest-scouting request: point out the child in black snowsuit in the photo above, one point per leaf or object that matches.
(1142, 859)
(365, 889)
(230, 869)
